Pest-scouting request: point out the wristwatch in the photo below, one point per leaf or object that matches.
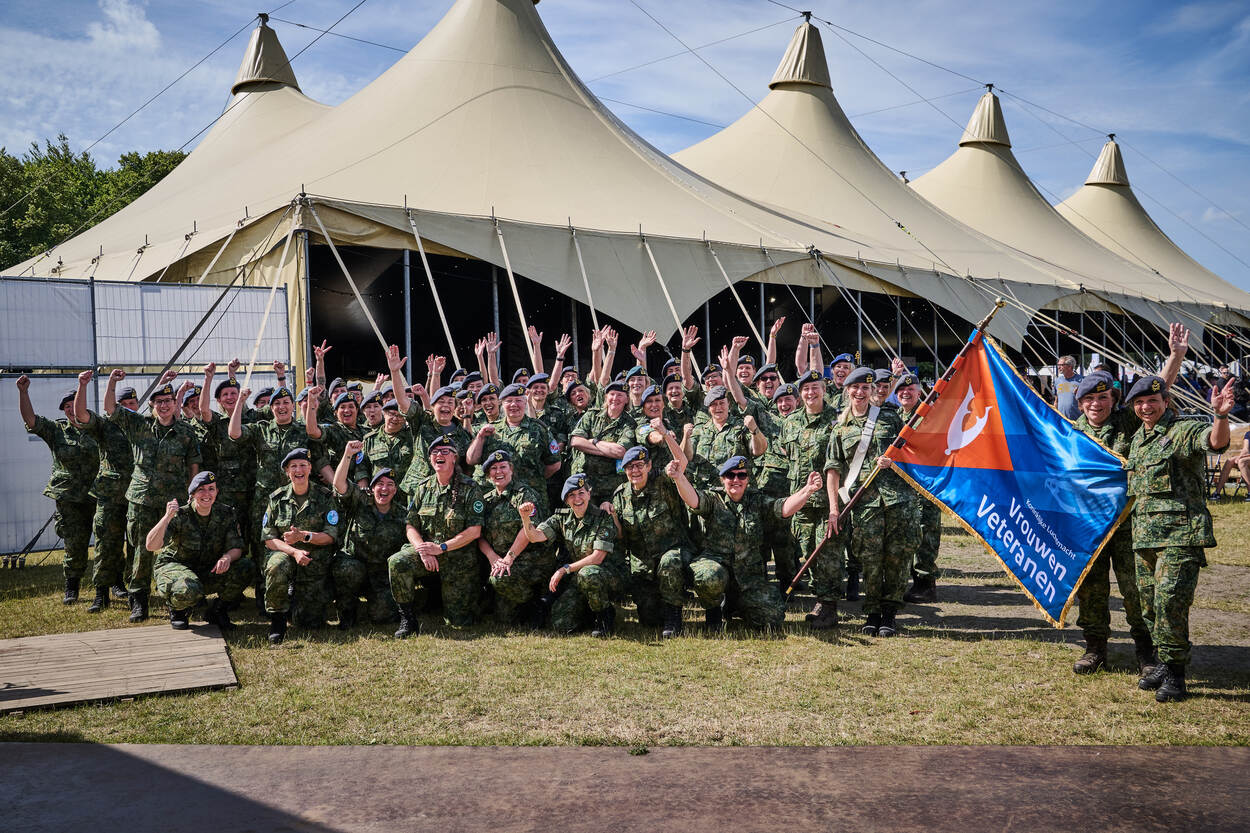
(567, 569)
(307, 537)
(442, 547)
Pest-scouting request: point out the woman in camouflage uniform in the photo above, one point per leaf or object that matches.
(519, 575)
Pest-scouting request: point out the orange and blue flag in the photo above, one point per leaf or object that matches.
(1042, 496)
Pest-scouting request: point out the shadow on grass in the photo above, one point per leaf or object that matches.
(37, 580)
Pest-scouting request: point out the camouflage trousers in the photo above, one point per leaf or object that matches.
(581, 594)
(1094, 596)
(1167, 578)
(352, 578)
(184, 588)
(781, 542)
(826, 576)
(73, 524)
(883, 540)
(756, 600)
(139, 522)
(655, 584)
(925, 563)
(460, 579)
(302, 590)
(526, 581)
(109, 526)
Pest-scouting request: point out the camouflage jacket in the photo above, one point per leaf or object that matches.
(117, 461)
(595, 424)
(440, 513)
(420, 469)
(1116, 433)
(1167, 476)
(580, 537)
(887, 488)
(805, 439)
(734, 532)
(532, 448)
(163, 456)
(270, 443)
(198, 542)
(712, 446)
(387, 451)
(334, 438)
(75, 458)
(319, 512)
(653, 519)
(370, 535)
(236, 462)
(500, 520)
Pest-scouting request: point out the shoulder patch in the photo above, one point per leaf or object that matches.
(478, 506)
(554, 446)
(264, 522)
(332, 517)
(360, 456)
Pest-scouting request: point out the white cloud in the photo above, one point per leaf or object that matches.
(125, 26)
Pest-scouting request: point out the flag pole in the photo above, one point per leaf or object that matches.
(921, 411)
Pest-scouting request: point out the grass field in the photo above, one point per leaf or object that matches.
(980, 667)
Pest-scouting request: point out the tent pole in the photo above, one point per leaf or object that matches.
(308, 359)
(494, 300)
(577, 361)
(438, 301)
(707, 333)
(1082, 325)
(733, 291)
(408, 314)
(763, 324)
(859, 326)
(898, 324)
(936, 369)
(811, 304)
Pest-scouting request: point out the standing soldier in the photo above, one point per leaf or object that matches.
(1171, 524)
(444, 519)
(600, 440)
(301, 530)
(167, 456)
(772, 475)
(236, 462)
(374, 527)
(109, 490)
(719, 437)
(75, 463)
(924, 569)
(597, 569)
(534, 454)
(518, 584)
(199, 552)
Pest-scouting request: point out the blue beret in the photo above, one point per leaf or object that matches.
(262, 392)
(391, 405)
(859, 376)
(494, 457)
(201, 479)
(293, 455)
(713, 368)
(445, 390)
(768, 368)
(714, 394)
(164, 390)
(336, 383)
(280, 392)
(224, 385)
(343, 397)
(191, 393)
(1095, 383)
(521, 371)
(303, 394)
(442, 442)
(669, 364)
(540, 377)
(636, 370)
(747, 358)
(568, 389)
(457, 373)
(67, 398)
(464, 393)
(882, 375)
(618, 386)
(127, 393)
(906, 380)
(355, 386)
(572, 484)
(842, 357)
(1147, 386)
(788, 389)
(652, 390)
(387, 388)
(809, 376)
(470, 378)
(636, 452)
(379, 474)
(376, 396)
(511, 390)
(486, 390)
(735, 462)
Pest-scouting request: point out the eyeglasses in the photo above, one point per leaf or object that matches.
(441, 452)
(771, 377)
(736, 475)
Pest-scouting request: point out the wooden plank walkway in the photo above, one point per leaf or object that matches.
(38, 671)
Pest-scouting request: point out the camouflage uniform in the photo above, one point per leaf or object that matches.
(430, 431)
(267, 443)
(307, 585)
(660, 455)
(733, 562)
(884, 532)
(163, 457)
(592, 588)
(1094, 595)
(75, 462)
(236, 479)
(389, 451)
(532, 449)
(711, 446)
(924, 564)
(527, 580)
(772, 477)
(360, 567)
(1171, 526)
(655, 536)
(109, 524)
(193, 544)
(602, 472)
(440, 513)
(805, 438)
(334, 438)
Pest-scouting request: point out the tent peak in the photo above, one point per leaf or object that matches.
(986, 126)
(804, 61)
(1109, 168)
(265, 63)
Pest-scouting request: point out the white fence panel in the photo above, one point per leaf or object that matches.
(45, 324)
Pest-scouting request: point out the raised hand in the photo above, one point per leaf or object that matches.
(352, 448)
(776, 328)
(1222, 400)
(310, 375)
(320, 352)
(596, 339)
(116, 374)
(814, 482)
(233, 366)
(492, 342)
(486, 430)
(440, 362)
(609, 338)
(690, 337)
(526, 510)
(209, 370)
(536, 338)
(1178, 338)
(648, 338)
(85, 377)
(172, 508)
(674, 468)
(563, 343)
(168, 376)
(23, 383)
(279, 368)
(739, 342)
(749, 422)
(897, 367)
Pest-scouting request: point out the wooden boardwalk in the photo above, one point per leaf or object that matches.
(39, 671)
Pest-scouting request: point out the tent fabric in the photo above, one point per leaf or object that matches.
(265, 62)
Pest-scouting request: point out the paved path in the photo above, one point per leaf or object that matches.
(60, 787)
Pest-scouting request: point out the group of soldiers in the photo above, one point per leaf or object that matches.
(548, 499)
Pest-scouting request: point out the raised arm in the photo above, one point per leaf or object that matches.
(800, 498)
(234, 429)
(770, 353)
(729, 363)
(492, 360)
(320, 355)
(156, 535)
(609, 356)
(689, 338)
(802, 353)
(557, 369)
(1222, 403)
(206, 396)
(23, 401)
(536, 339)
(309, 409)
(80, 398)
(1178, 346)
(396, 365)
(532, 533)
(350, 450)
(596, 355)
(676, 470)
(110, 390)
(759, 442)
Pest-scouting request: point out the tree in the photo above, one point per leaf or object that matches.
(51, 193)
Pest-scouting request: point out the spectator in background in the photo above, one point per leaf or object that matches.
(1066, 382)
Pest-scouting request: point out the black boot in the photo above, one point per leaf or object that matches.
(824, 615)
(852, 586)
(179, 620)
(872, 627)
(119, 592)
(71, 590)
(1173, 688)
(101, 600)
(605, 622)
(1095, 656)
(277, 628)
(349, 613)
(218, 614)
(922, 590)
(714, 618)
(1147, 659)
(138, 606)
(1153, 678)
(408, 624)
(672, 621)
(888, 627)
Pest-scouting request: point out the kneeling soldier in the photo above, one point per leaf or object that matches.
(199, 552)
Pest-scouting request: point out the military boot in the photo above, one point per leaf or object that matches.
(119, 592)
(852, 586)
(277, 628)
(408, 624)
(888, 627)
(605, 622)
(101, 600)
(871, 627)
(218, 614)
(1173, 687)
(1152, 679)
(714, 618)
(672, 622)
(824, 615)
(922, 590)
(179, 620)
(71, 590)
(1095, 656)
(1147, 659)
(138, 606)
(349, 613)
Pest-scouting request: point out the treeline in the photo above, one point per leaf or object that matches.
(48, 193)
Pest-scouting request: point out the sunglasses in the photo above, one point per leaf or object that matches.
(441, 452)
(769, 378)
(736, 475)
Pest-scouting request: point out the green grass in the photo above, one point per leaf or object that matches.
(980, 668)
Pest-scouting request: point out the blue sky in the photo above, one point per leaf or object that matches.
(1171, 80)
